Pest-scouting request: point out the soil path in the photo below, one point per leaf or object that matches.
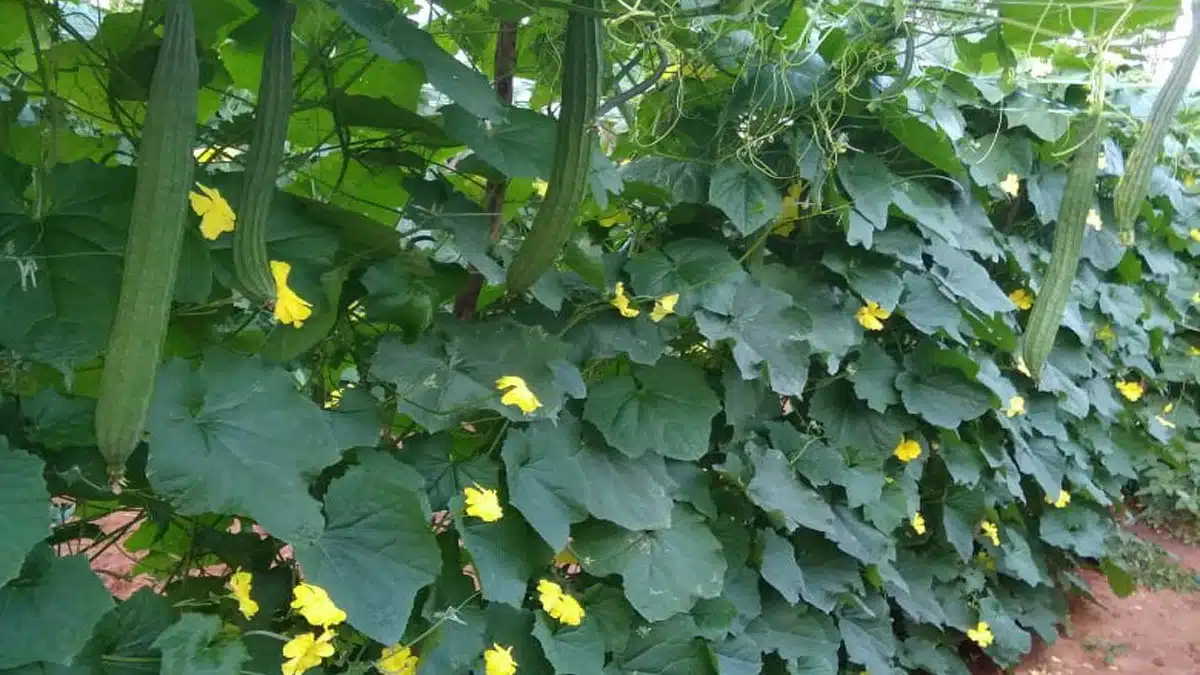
(1156, 633)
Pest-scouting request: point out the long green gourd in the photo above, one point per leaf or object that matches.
(159, 215)
(251, 263)
(574, 140)
(1078, 197)
(1135, 182)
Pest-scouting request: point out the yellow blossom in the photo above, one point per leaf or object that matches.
(540, 186)
(1194, 233)
(664, 306)
(518, 394)
(398, 660)
(981, 635)
(559, 605)
(1193, 351)
(239, 585)
(1021, 298)
(216, 216)
(991, 531)
(1011, 185)
(1016, 406)
(871, 315)
(316, 606)
(1094, 221)
(290, 308)
(1161, 417)
(499, 661)
(1132, 391)
(790, 212)
(306, 651)
(1061, 501)
(483, 503)
(1196, 297)
(918, 523)
(1106, 333)
(985, 560)
(621, 302)
(907, 450)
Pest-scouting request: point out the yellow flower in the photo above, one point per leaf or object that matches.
(1193, 351)
(663, 306)
(918, 523)
(981, 635)
(483, 503)
(289, 308)
(316, 606)
(1016, 406)
(1106, 333)
(907, 450)
(499, 661)
(1021, 298)
(1194, 233)
(871, 315)
(790, 212)
(558, 604)
(1094, 221)
(540, 186)
(991, 531)
(398, 660)
(1011, 185)
(1061, 501)
(518, 394)
(1161, 419)
(216, 216)
(985, 560)
(1196, 297)
(1132, 391)
(306, 651)
(621, 302)
(239, 585)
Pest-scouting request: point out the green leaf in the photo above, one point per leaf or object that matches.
(128, 633)
(546, 482)
(665, 571)
(446, 474)
(1028, 24)
(1018, 560)
(767, 330)
(870, 277)
(1012, 642)
(802, 635)
(48, 612)
(776, 490)
(922, 136)
(506, 554)
(519, 146)
(686, 182)
(912, 587)
(943, 397)
(193, 646)
(634, 493)
(456, 643)
(928, 309)
(967, 279)
(867, 631)
(377, 549)
(859, 539)
(813, 569)
(578, 650)
(737, 655)
(288, 342)
(450, 373)
(1076, 528)
(874, 375)
(234, 436)
(59, 421)
(921, 652)
(848, 425)
(26, 507)
(666, 408)
(610, 334)
(667, 648)
(962, 510)
(607, 607)
(869, 183)
(746, 195)
(994, 156)
(514, 628)
(393, 36)
(702, 272)
(355, 421)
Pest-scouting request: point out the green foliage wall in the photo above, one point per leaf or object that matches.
(779, 425)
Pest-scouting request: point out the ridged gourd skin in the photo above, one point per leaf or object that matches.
(159, 217)
(1135, 182)
(1078, 197)
(251, 263)
(575, 137)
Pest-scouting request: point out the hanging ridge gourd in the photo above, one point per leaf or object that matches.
(251, 263)
(164, 175)
(1077, 199)
(575, 136)
(1135, 182)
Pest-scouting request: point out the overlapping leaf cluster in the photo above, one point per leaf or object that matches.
(730, 487)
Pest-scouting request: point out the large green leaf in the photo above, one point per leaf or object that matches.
(702, 272)
(777, 490)
(666, 408)
(506, 554)
(377, 549)
(1076, 528)
(665, 571)
(128, 632)
(26, 507)
(48, 612)
(520, 146)
(874, 377)
(813, 569)
(746, 195)
(666, 648)
(234, 436)
(394, 37)
(802, 635)
(1028, 23)
(577, 650)
(942, 396)
(546, 482)
(848, 424)
(194, 645)
(633, 492)
(867, 631)
(445, 473)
